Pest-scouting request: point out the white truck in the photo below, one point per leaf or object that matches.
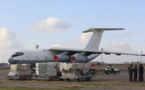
(108, 71)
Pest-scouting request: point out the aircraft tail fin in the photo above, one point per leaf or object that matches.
(94, 42)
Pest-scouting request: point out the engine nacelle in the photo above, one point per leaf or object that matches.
(79, 58)
(83, 58)
(63, 57)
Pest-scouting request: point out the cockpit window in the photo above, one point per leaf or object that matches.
(17, 54)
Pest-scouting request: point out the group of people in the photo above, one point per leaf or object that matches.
(133, 71)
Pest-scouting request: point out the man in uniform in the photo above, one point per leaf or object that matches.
(130, 69)
(135, 73)
(141, 71)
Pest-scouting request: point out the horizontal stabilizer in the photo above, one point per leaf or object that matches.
(102, 29)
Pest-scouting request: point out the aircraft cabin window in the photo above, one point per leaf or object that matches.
(17, 54)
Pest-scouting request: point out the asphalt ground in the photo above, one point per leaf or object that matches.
(101, 81)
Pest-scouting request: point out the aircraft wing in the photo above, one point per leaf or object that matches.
(92, 51)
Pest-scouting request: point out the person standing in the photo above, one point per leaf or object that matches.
(141, 71)
(129, 68)
(130, 72)
(135, 73)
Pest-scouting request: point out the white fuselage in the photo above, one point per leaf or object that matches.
(32, 57)
(39, 56)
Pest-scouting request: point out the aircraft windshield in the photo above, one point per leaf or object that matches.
(17, 54)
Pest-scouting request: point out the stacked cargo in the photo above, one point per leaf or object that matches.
(75, 71)
(63, 71)
(52, 70)
(46, 70)
(20, 71)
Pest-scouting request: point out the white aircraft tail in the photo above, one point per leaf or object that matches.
(94, 42)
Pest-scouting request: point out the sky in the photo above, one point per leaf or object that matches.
(60, 23)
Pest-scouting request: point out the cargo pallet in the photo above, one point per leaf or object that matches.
(20, 77)
(77, 78)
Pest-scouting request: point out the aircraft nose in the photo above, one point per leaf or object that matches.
(10, 60)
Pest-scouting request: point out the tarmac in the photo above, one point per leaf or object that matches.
(101, 81)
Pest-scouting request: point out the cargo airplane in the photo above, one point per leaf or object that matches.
(90, 52)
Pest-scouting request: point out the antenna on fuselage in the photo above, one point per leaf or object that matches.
(37, 46)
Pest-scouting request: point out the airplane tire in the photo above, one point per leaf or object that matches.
(67, 79)
(61, 79)
(87, 79)
(78, 80)
(50, 79)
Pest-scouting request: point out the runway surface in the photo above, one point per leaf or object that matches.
(101, 81)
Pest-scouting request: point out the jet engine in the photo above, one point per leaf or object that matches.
(63, 57)
(79, 57)
(82, 57)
